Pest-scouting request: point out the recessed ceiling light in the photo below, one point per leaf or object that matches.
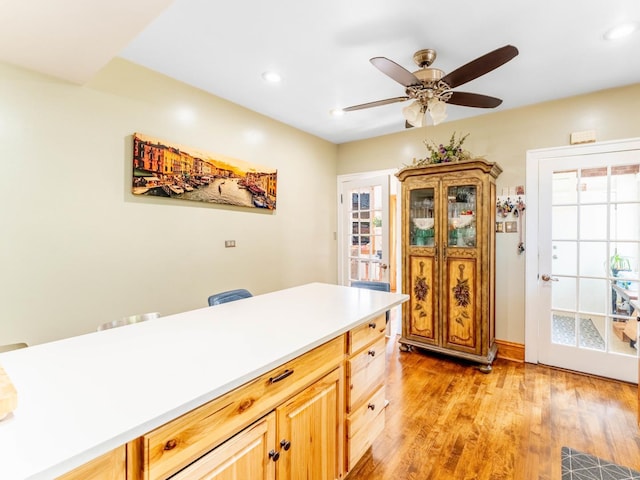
(336, 112)
(271, 77)
(621, 31)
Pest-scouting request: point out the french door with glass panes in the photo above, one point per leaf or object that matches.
(365, 230)
(589, 253)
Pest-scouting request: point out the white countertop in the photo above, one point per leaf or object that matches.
(83, 396)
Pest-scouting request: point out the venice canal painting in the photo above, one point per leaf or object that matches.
(165, 169)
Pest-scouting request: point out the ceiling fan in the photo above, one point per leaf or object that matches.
(431, 89)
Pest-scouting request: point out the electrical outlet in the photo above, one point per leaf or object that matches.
(229, 243)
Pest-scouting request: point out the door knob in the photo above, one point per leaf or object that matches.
(548, 278)
(384, 266)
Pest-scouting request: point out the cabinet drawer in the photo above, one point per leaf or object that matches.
(366, 333)
(362, 417)
(365, 372)
(171, 447)
(363, 427)
(248, 451)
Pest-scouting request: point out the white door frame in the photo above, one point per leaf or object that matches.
(394, 185)
(531, 326)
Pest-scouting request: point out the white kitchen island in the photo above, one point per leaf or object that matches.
(81, 397)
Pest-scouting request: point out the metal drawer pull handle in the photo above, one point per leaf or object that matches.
(372, 353)
(286, 444)
(273, 455)
(282, 376)
(372, 325)
(371, 406)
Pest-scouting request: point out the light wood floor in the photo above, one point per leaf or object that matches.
(447, 420)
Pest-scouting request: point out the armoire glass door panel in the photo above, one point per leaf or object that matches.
(461, 207)
(422, 223)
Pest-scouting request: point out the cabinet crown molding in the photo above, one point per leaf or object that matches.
(480, 164)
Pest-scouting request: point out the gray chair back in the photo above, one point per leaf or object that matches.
(228, 296)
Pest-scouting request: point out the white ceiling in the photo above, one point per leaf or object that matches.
(322, 49)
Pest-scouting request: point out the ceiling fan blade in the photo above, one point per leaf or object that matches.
(377, 103)
(480, 66)
(395, 71)
(474, 100)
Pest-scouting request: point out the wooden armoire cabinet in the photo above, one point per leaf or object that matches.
(448, 248)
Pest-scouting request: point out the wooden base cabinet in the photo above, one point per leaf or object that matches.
(448, 241)
(296, 422)
(365, 402)
(310, 433)
(287, 424)
(301, 439)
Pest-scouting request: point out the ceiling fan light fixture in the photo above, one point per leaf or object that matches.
(414, 114)
(437, 110)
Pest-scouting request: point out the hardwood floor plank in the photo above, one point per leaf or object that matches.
(447, 420)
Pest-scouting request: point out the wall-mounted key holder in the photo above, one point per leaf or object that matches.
(510, 212)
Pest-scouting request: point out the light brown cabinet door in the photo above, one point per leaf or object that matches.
(422, 323)
(244, 456)
(463, 306)
(310, 431)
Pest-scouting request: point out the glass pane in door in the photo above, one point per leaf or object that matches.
(565, 257)
(422, 222)
(595, 250)
(593, 259)
(461, 202)
(564, 222)
(366, 247)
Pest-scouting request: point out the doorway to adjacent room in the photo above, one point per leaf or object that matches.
(368, 229)
(583, 258)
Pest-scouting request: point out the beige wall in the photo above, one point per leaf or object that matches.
(77, 249)
(505, 137)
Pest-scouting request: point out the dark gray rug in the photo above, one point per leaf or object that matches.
(582, 466)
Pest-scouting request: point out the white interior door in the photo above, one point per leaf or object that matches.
(588, 244)
(364, 229)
